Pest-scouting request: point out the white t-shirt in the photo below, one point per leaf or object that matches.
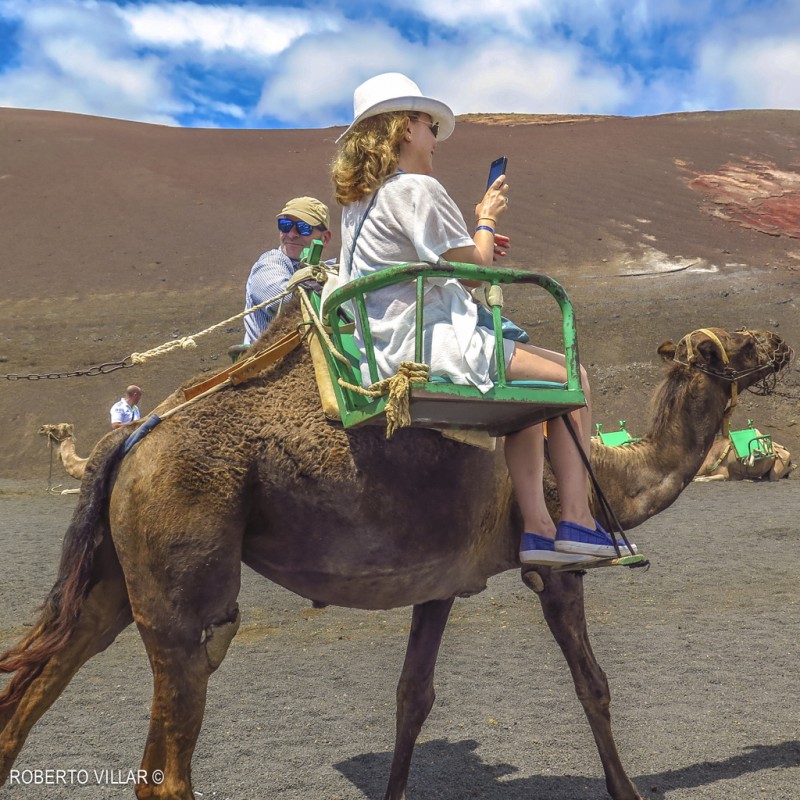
(123, 412)
(413, 219)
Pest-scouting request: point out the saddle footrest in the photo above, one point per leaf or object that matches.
(637, 560)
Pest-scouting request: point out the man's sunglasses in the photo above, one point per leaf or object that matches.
(434, 126)
(303, 228)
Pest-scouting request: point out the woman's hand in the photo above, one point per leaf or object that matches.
(501, 245)
(494, 203)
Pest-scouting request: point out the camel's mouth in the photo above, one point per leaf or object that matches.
(776, 356)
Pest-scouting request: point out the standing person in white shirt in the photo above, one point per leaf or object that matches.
(126, 409)
(395, 212)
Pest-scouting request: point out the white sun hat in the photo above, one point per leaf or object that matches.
(393, 91)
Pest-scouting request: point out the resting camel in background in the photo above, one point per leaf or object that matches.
(723, 464)
(255, 474)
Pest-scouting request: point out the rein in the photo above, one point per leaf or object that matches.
(765, 385)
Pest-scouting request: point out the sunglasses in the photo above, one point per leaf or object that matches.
(433, 126)
(303, 228)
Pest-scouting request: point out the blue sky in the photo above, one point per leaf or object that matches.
(275, 64)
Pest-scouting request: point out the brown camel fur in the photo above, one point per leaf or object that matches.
(255, 474)
(63, 435)
(722, 463)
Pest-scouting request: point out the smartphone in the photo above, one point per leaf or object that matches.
(498, 168)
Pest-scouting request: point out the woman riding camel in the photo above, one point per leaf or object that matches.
(396, 212)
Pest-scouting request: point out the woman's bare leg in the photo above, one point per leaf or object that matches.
(525, 453)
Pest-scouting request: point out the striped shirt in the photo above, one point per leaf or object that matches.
(268, 278)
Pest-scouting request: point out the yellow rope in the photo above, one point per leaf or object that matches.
(398, 389)
(320, 328)
(725, 426)
(187, 342)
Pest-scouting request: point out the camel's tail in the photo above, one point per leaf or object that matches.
(62, 608)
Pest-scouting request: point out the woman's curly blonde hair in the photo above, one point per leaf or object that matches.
(368, 155)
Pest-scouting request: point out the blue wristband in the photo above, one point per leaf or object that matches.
(485, 228)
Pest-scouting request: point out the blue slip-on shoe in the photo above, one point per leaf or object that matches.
(537, 549)
(577, 540)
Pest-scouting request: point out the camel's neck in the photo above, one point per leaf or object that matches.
(644, 478)
(74, 465)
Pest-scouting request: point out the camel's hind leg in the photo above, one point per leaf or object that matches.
(183, 587)
(415, 693)
(104, 614)
(561, 596)
(181, 670)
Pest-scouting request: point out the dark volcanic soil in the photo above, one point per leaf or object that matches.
(118, 237)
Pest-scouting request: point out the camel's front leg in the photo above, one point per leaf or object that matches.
(561, 596)
(415, 693)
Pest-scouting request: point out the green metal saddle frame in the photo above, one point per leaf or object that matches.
(749, 444)
(438, 403)
(614, 438)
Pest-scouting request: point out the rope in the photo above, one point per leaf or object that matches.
(398, 389)
(726, 417)
(320, 328)
(188, 342)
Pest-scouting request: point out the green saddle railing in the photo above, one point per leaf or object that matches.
(439, 403)
(749, 444)
(614, 438)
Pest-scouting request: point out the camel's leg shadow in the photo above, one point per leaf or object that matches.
(104, 614)
(561, 596)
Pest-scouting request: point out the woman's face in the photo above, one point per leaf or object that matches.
(416, 149)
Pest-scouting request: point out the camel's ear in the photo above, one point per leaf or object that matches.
(667, 350)
(709, 352)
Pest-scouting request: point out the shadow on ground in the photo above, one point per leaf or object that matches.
(436, 762)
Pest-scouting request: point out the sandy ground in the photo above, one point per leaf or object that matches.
(701, 653)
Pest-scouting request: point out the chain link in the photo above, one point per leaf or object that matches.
(99, 369)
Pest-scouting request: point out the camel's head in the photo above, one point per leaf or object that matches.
(57, 432)
(752, 359)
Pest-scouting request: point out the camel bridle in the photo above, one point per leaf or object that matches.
(765, 385)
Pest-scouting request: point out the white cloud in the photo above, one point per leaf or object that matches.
(518, 79)
(313, 82)
(762, 73)
(73, 57)
(265, 32)
(491, 75)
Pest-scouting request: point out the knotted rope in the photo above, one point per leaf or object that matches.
(397, 387)
(398, 391)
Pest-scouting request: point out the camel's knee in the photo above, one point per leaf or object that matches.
(414, 702)
(217, 637)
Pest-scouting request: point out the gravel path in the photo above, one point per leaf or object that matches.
(701, 652)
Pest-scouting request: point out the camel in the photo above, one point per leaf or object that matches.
(722, 463)
(62, 434)
(255, 474)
